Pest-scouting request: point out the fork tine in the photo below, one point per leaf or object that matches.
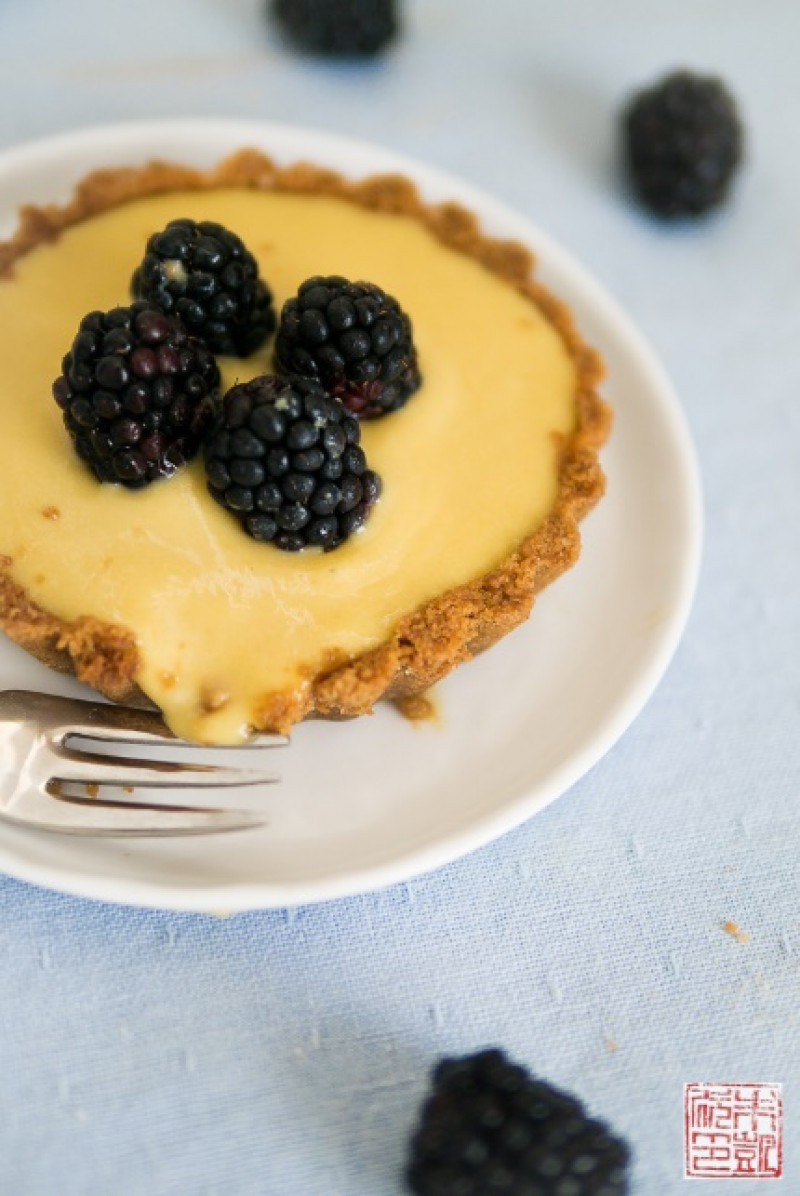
(94, 816)
(104, 721)
(90, 769)
(121, 724)
(63, 716)
(160, 735)
(128, 724)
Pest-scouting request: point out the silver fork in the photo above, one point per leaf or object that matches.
(40, 771)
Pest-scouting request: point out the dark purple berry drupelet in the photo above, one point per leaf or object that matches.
(284, 457)
(137, 393)
(338, 28)
(683, 143)
(354, 340)
(204, 273)
(489, 1127)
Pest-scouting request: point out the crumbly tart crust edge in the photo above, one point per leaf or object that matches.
(447, 630)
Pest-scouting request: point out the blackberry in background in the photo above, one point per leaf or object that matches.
(338, 28)
(284, 458)
(488, 1126)
(683, 142)
(137, 393)
(352, 339)
(204, 273)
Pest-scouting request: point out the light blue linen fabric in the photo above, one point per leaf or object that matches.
(285, 1053)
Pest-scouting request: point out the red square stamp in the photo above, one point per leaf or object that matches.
(733, 1130)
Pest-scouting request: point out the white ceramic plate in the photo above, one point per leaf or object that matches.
(377, 800)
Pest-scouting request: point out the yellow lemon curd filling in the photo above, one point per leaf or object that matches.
(469, 465)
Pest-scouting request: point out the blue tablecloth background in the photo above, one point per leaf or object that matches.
(148, 1053)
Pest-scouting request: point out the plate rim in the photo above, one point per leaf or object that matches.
(494, 214)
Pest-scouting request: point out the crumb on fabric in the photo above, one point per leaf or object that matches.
(736, 932)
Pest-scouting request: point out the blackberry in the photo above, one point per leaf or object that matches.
(285, 458)
(354, 340)
(489, 1126)
(338, 28)
(683, 143)
(205, 274)
(137, 393)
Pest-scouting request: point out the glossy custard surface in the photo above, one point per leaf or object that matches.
(469, 466)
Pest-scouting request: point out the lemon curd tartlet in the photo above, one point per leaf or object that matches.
(157, 595)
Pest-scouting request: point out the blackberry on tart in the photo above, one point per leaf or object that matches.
(137, 393)
(353, 339)
(284, 457)
(204, 273)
